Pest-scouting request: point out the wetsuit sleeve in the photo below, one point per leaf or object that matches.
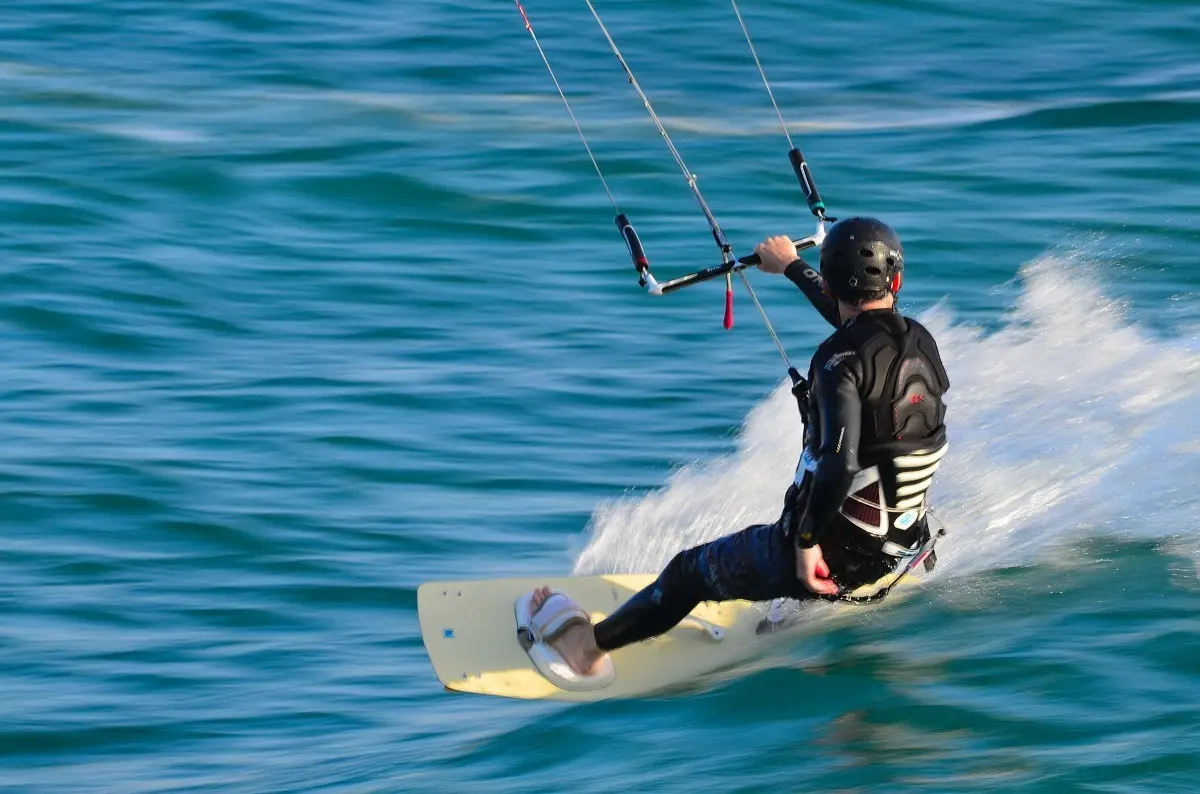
(839, 407)
(809, 282)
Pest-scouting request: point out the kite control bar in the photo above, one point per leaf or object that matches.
(814, 240)
(654, 287)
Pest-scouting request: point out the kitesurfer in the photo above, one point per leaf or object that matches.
(856, 511)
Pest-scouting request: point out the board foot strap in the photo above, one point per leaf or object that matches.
(535, 630)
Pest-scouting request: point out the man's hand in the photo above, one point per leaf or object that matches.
(812, 571)
(776, 253)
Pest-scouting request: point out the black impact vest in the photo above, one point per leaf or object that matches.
(874, 435)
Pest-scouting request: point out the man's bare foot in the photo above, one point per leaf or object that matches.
(576, 644)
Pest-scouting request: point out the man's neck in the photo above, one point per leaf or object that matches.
(848, 311)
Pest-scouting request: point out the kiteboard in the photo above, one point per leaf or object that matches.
(470, 634)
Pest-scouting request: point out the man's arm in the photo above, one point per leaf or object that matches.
(809, 282)
(839, 406)
(778, 255)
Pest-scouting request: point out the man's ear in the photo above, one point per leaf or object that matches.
(897, 282)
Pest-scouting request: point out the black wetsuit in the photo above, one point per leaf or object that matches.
(874, 435)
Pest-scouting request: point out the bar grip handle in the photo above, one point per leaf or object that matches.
(636, 252)
(801, 245)
(811, 194)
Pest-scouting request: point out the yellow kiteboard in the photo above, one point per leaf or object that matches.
(470, 633)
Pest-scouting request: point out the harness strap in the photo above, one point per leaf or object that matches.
(924, 554)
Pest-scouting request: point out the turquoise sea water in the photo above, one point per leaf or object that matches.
(306, 303)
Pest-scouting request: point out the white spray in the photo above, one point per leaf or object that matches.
(1070, 421)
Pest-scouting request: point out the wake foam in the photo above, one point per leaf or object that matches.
(1069, 421)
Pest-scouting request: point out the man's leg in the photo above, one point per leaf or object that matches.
(756, 564)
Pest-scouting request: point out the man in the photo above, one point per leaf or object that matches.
(874, 436)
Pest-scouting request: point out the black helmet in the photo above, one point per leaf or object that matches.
(860, 257)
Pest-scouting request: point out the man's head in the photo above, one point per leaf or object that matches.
(862, 261)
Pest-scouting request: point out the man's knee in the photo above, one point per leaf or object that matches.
(680, 578)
